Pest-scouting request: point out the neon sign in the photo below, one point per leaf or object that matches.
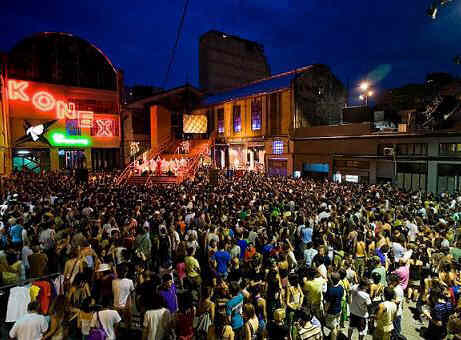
(104, 128)
(60, 139)
(45, 101)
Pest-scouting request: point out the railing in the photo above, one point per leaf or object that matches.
(23, 282)
(164, 144)
(194, 163)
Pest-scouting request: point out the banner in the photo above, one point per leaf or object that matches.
(195, 123)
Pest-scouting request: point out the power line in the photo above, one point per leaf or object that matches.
(173, 51)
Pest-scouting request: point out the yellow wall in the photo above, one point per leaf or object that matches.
(245, 110)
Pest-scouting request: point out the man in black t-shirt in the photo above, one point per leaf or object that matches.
(333, 298)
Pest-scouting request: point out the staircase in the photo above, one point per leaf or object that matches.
(167, 151)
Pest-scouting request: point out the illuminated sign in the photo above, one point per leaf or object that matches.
(104, 128)
(195, 123)
(45, 101)
(60, 139)
(35, 133)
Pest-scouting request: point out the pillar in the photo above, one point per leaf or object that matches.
(89, 163)
(432, 176)
(54, 159)
(372, 172)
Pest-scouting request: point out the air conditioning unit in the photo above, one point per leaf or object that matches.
(388, 151)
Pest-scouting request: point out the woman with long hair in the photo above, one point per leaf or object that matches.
(58, 320)
(221, 329)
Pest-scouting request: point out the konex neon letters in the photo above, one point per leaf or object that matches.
(104, 128)
(45, 101)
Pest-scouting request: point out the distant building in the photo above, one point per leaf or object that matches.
(227, 61)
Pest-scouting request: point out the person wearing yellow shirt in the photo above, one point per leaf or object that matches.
(192, 267)
(314, 286)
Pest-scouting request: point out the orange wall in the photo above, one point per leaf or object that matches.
(160, 125)
(21, 110)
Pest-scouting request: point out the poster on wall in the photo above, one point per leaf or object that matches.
(195, 123)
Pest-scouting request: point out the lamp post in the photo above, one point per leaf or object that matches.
(366, 92)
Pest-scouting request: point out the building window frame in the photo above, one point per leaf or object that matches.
(277, 147)
(237, 118)
(256, 114)
(220, 114)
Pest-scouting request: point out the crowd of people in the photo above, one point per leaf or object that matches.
(252, 257)
(161, 167)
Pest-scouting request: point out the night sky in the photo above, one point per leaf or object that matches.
(393, 42)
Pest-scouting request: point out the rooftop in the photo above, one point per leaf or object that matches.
(266, 85)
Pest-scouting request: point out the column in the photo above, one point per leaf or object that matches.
(54, 159)
(252, 159)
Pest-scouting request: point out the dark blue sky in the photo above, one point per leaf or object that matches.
(393, 39)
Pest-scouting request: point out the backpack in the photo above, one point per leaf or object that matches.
(97, 333)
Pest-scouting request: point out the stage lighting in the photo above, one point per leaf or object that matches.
(457, 60)
(432, 11)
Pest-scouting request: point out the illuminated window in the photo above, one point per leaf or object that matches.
(221, 120)
(237, 118)
(73, 127)
(277, 147)
(256, 114)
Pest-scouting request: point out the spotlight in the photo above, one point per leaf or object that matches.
(445, 2)
(370, 93)
(364, 86)
(361, 97)
(432, 11)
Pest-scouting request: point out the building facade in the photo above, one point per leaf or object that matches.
(255, 123)
(427, 161)
(227, 61)
(62, 105)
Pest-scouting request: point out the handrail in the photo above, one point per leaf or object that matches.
(166, 142)
(20, 283)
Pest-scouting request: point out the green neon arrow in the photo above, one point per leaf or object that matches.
(59, 138)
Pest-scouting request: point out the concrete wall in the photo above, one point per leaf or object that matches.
(226, 61)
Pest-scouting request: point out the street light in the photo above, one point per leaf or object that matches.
(364, 86)
(366, 92)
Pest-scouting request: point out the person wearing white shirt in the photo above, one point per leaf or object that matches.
(108, 319)
(412, 231)
(122, 289)
(31, 326)
(360, 301)
(157, 321)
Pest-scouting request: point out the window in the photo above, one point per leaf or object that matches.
(73, 127)
(221, 120)
(256, 112)
(449, 177)
(237, 118)
(277, 147)
(450, 148)
(71, 159)
(412, 176)
(418, 149)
